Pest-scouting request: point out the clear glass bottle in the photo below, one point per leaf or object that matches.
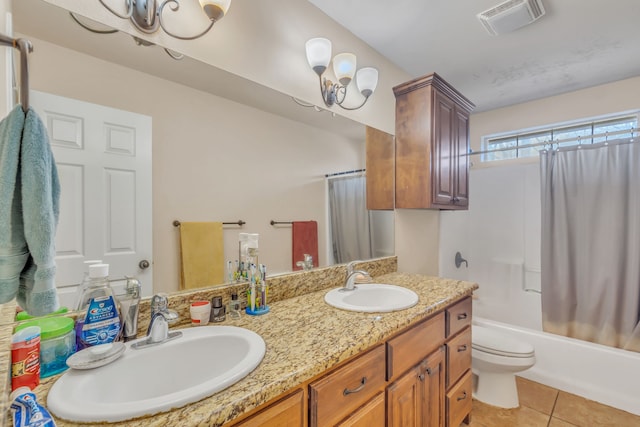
(99, 319)
(234, 307)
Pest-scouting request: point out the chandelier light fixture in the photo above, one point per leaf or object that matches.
(147, 15)
(344, 68)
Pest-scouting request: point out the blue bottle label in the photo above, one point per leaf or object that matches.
(102, 323)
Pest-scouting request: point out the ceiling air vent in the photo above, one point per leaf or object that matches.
(510, 15)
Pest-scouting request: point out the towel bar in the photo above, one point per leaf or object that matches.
(239, 223)
(272, 222)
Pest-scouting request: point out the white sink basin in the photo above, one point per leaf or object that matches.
(154, 379)
(372, 298)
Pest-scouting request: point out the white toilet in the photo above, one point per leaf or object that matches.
(496, 358)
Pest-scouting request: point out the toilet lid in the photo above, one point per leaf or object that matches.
(484, 339)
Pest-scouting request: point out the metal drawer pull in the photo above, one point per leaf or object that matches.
(357, 389)
(462, 347)
(462, 316)
(463, 397)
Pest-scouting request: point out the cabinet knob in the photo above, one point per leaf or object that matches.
(463, 397)
(421, 377)
(347, 392)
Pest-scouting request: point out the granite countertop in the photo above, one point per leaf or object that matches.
(304, 337)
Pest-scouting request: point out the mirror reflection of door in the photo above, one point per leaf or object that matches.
(103, 157)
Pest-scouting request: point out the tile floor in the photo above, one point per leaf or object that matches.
(542, 406)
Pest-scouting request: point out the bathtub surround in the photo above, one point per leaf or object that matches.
(591, 243)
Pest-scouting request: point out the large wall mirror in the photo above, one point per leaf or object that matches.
(223, 148)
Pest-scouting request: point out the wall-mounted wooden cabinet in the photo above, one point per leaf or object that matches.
(380, 169)
(432, 143)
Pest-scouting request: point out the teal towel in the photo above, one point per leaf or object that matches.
(29, 206)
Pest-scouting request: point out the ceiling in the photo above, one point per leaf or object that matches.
(576, 44)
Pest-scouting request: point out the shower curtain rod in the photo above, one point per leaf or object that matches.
(557, 141)
(330, 175)
(25, 47)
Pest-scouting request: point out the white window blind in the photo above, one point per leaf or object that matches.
(530, 143)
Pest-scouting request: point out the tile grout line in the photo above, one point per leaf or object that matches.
(553, 409)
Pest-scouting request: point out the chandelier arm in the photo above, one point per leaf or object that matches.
(174, 55)
(354, 108)
(86, 27)
(324, 91)
(175, 6)
(118, 14)
(339, 88)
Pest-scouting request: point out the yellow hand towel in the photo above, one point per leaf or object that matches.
(201, 254)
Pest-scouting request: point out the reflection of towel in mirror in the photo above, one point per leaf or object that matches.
(201, 254)
(29, 203)
(304, 236)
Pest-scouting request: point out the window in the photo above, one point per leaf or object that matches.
(530, 143)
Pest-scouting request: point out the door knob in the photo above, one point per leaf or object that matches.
(144, 264)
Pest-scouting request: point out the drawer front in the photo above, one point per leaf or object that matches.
(459, 401)
(458, 316)
(287, 412)
(458, 356)
(370, 415)
(340, 393)
(408, 349)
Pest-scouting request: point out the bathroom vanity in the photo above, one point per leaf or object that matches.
(325, 366)
(419, 377)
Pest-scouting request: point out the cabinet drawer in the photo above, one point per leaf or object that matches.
(459, 401)
(458, 316)
(408, 349)
(458, 356)
(338, 394)
(370, 415)
(288, 412)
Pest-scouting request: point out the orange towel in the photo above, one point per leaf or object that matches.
(201, 254)
(305, 241)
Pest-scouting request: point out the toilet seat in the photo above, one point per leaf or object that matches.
(488, 341)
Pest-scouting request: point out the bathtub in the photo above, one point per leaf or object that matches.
(607, 375)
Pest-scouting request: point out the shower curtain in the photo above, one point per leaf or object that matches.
(349, 219)
(591, 243)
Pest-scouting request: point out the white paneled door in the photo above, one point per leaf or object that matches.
(103, 157)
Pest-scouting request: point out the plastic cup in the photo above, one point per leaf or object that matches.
(200, 312)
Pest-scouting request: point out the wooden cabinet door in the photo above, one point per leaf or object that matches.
(433, 389)
(443, 150)
(461, 160)
(288, 412)
(380, 169)
(404, 401)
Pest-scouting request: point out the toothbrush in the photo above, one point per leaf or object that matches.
(263, 285)
(253, 287)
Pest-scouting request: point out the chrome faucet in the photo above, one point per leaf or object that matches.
(129, 306)
(307, 264)
(158, 330)
(352, 275)
(160, 304)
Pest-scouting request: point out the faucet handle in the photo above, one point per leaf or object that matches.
(159, 302)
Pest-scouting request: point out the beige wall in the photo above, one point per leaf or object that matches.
(213, 159)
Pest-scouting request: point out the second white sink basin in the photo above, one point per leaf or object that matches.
(159, 378)
(372, 298)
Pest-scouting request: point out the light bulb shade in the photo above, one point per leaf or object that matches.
(318, 54)
(215, 9)
(367, 80)
(344, 67)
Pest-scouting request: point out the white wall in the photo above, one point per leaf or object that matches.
(213, 159)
